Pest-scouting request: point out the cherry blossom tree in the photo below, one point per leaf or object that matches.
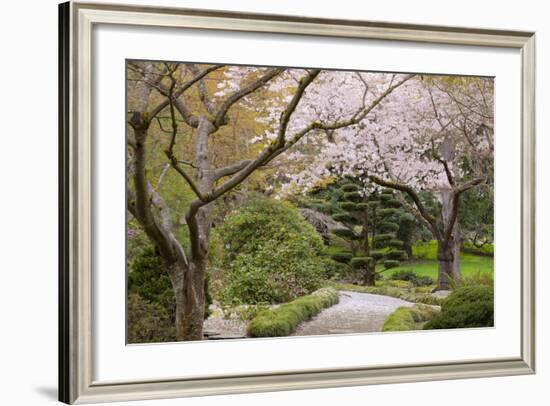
(304, 102)
(435, 134)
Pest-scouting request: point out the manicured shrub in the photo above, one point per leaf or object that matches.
(350, 187)
(283, 320)
(272, 254)
(353, 196)
(344, 233)
(342, 257)
(408, 318)
(468, 306)
(390, 263)
(343, 218)
(397, 255)
(411, 276)
(486, 250)
(360, 262)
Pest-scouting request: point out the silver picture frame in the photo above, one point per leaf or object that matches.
(76, 21)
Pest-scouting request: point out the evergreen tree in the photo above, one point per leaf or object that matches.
(371, 224)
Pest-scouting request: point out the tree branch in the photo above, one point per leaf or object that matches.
(170, 151)
(203, 94)
(270, 152)
(414, 197)
(189, 118)
(230, 169)
(457, 191)
(245, 91)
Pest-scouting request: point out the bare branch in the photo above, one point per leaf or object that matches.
(231, 169)
(170, 151)
(245, 91)
(203, 94)
(189, 118)
(468, 185)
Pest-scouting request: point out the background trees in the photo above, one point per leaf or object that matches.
(188, 115)
(434, 135)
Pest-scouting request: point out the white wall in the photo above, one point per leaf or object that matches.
(28, 200)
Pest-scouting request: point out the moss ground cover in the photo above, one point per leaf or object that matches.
(283, 320)
(409, 318)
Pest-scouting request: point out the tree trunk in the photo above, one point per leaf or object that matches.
(190, 302)
(190, 295)
(448, 252)
(369, 277)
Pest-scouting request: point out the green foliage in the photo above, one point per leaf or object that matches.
(394, 288)
(466, 307)
(382, 239)
(388, 227)
(411, 276)
(407, 229)
(342, 257)
(148, 322)
(378, 254)
(283, 320)
(370, 227)
(147, 278)
(390, 263)
(348, 206)
(395, 243)
(425, 250)
(487, 250)
(469, 265)
(334, 269)
(397, 255)
(409, 318)
(476, 213)
(272, 254)
(350, 187)
(360, 262)
(474, 279)
(344, 233)
(353, 196)
(344, 218)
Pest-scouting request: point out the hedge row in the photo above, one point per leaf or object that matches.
(407, 318)
(283, 320)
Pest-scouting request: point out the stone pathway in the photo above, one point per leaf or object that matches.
(355, 313)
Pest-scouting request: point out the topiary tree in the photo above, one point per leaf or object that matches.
(371, 223)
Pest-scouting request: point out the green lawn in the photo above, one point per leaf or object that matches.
(469, 265)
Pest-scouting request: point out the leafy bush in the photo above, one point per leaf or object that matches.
(411, 276)
(486, 250)
(476, 279)
(468, 306)
(283, 320)
(148, 279)
(272, 254)
(394, 288)
(408, 318)
(148, 322)
(425, 250)
(360, 262)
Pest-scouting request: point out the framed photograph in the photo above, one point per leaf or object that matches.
(262, 202)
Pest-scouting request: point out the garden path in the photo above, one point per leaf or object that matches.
(355, 313)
